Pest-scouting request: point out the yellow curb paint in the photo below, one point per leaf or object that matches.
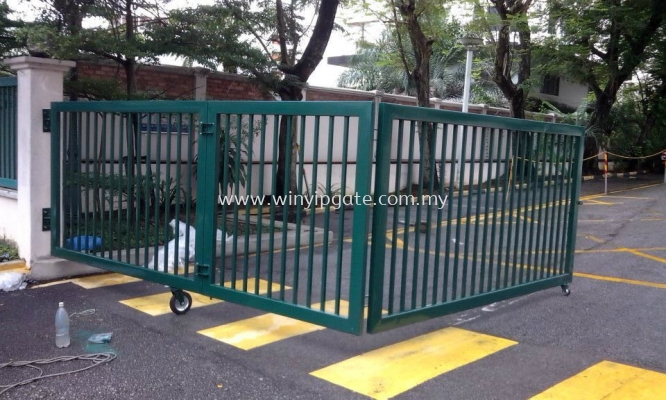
(264, 329)
(158, 304)
(608, 381)
(620, 280)
(97, 281)
(15, 266)
(394, 369)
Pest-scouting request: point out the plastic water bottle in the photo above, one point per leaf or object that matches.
(62, 326)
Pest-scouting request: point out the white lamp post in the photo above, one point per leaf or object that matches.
(470, 43)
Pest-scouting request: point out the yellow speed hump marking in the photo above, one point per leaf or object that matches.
(392, 370)
(609, 381)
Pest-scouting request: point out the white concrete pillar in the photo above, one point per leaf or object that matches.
(200, 83)
(40, 82)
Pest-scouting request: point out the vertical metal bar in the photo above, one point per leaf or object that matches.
(271, 237)
(103, 183)
(541, 157)
(418, 227)
(248, 186)
(449, 216)
(468, 214)
(138, 187)
(130, 196)
(188, 200)
(299, 206)
(158, 166)
(440, 208)
(528, 164)
(327, 214)
(569, 209)
(285, 206)
(225, 133)
(511, 154)
(77, 168)
(56, 178)
(341, 221)
(520, 208)
(86, 196)
(461, 194)
(260, 207)
(547, 256)
(431, 132)
(574, 177)
(495, 135)
(313, 207)
(179, 164)
(166, 191)
(150, 193)
(559, 231)
(396, 208)
(405, 239)
(479, 192)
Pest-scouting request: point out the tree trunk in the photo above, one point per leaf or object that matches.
(599, 123)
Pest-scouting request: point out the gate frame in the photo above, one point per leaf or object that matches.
(207, 192)
(377, 321)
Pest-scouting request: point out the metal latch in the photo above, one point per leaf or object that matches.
(206, 128)
(46, 120)
(202, 270)
(46, 219)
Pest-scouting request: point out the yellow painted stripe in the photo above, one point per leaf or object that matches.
(620, 280)
(97, 281)
(264, 329)
(394, 369)
(645, 255)
(608, 380)
(158, 304)
(14, 265)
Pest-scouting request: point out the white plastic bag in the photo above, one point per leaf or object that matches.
(180, 243)
(180, 229)
(10, 281)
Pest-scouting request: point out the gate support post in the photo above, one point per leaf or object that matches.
(40, 82)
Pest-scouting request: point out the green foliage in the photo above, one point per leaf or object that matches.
(8, 250)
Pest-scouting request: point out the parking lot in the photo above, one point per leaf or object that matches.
(603, 341)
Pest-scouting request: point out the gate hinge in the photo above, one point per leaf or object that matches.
(206, 128)
(46, 120)
(46, 219)
(203, 270)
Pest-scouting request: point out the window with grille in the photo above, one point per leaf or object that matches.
(551, 85)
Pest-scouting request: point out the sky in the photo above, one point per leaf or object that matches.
(325, 75)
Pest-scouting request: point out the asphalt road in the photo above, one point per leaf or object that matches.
(615, 313)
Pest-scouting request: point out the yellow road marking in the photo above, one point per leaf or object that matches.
(599, 203)
(394, 369)
(158, 304)
(645, 255)
(620, 280)
(264, 329)
(595, 239)
(608, 380)
(97, 281)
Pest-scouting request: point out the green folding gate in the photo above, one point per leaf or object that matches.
(507, 228)
(198, 196)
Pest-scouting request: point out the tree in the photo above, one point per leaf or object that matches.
(507, 28)
(602, 42)
(280, 64)
(9, 45)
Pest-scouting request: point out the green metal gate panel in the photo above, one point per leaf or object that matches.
(487, 212)
(8, 150)
(143, 188)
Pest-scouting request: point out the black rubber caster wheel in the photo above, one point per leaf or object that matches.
(181, 306)
(565, 290)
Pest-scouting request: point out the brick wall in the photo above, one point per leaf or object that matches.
(173, 82)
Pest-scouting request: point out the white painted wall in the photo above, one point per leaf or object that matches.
(9, 223)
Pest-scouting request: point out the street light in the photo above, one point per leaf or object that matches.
(470, 42)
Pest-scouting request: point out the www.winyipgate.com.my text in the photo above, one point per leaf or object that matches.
(335, 201)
